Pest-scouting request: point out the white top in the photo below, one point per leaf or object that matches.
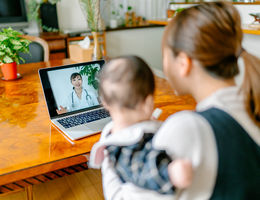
(73, 102)
(113, 187)
(125, 137)
(186, 134)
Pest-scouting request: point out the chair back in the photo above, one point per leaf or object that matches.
(39, 50)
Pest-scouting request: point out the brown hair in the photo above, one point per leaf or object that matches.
(74, 75)
(211, 34)
(126, 81)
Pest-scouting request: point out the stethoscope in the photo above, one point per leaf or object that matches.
(88, 98)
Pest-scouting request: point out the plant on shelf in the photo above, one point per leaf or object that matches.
(116, 17)
(91, 10)
(130, 18)
(10, 45)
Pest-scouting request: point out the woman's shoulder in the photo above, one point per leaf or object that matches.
(185, 120)
(184, 123)
(184, 130)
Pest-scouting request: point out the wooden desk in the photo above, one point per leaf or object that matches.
(30, 145)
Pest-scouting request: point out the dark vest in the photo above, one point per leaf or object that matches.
(238, 176)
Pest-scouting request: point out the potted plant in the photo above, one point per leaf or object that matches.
(10, 45)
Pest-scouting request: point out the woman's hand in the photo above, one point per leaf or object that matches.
(62, 110)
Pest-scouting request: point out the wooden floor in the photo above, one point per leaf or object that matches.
(85, 185)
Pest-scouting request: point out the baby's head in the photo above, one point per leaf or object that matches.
(127, 82)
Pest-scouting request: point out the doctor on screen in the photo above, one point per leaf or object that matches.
(79, 97)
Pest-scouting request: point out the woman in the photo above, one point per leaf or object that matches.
(201, 47)
(200, 52)
(79, 98)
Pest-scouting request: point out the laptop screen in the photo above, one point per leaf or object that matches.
(71, 88)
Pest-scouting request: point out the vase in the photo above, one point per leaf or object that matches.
(9, 70)
(97, 54)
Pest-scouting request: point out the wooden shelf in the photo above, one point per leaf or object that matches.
(158, 22)
(57, 44)
(165, 22)
(235, 3)
(251, 31)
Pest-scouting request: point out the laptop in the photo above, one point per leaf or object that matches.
(71, 94)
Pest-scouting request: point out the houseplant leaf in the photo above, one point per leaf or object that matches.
(3, 37)
(7, 59)
(11, 44)
(15, 42)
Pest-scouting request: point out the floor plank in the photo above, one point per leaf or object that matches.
(85, 185)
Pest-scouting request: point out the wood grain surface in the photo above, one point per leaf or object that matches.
(30, 145)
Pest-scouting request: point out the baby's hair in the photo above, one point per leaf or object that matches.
(74, 75)
(126, 81)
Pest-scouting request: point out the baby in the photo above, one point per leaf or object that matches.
(126, 88)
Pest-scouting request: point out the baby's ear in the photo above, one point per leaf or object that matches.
(148, 105)
(107, 107)
(149, 100)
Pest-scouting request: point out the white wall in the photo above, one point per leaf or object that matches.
(70, 15)
(144, 42)
(252, 44)
(243, 10)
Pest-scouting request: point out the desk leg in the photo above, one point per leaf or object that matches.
(29, 192)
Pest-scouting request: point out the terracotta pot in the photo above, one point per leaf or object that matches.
(9, 71)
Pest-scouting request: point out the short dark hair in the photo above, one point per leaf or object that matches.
(126, 81)
(74, 75)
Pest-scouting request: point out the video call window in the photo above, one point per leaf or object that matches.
(75, 88)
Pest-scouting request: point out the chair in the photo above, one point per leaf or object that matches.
(39, 50)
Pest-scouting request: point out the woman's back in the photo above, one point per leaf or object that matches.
(201, 46)
(189, 135)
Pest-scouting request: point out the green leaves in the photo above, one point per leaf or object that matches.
(7, 59)
(90, 71)
(49, 29)
(3, 37)
(11, 44)
(15, 42)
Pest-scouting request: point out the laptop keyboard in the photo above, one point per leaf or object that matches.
(83, 118)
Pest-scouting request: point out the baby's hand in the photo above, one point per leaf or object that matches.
(180, 173)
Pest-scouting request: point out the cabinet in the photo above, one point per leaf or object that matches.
(57, 44)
